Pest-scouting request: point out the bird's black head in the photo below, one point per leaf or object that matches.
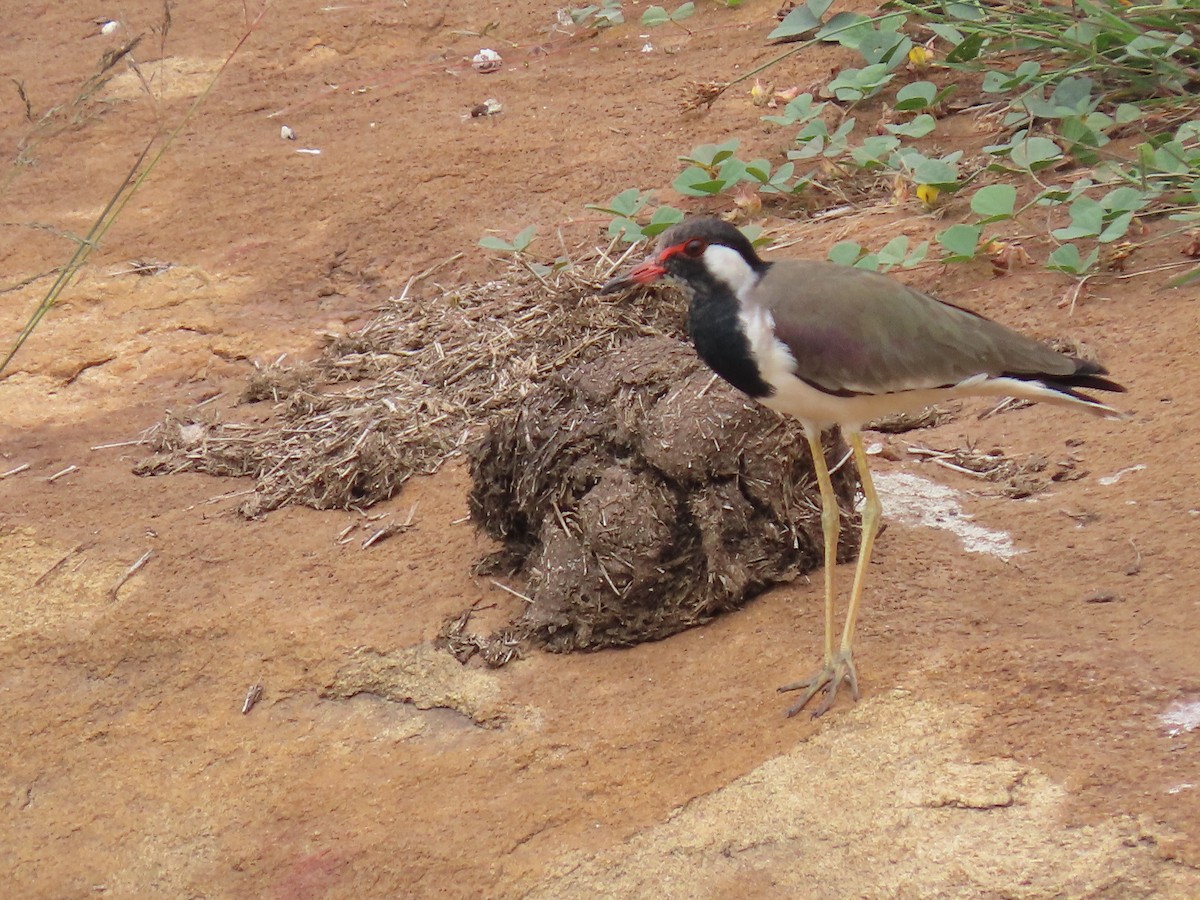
(684, 251)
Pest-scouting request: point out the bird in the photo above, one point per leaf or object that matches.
(832, 345)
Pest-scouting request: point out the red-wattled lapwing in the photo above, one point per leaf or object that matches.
(832, 345)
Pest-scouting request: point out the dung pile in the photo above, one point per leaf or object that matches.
(408, 391)
(639, 495)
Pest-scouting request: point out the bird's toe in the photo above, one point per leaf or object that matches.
(825, 681)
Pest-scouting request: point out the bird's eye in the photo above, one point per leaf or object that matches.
(694, 248)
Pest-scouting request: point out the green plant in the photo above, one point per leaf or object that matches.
(519, 244)
(894, 253)
(605, 15)
(624, 209)
(147, 161)
(714, 168)
(1067, 81)
(657, 15)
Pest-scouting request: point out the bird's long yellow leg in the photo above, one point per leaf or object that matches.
(831, 522)
(872, 509)
(830, 526)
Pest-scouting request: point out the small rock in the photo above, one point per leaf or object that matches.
(486, 61)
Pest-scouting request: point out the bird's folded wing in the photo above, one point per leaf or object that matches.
(856, 332)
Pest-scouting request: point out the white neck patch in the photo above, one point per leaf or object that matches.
(730, 267)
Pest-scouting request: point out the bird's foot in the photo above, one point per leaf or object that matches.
(826, 680)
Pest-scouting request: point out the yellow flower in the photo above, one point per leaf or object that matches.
(760, 94)
(927, 194)
(919, 58)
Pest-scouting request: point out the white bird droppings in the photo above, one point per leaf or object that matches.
(914, 500)
(1116, 476)
(1181, 717)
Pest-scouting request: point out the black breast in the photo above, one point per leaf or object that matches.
(719, 339)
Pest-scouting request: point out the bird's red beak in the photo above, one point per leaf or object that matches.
(647, 271)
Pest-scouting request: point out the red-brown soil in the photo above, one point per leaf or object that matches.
(1010, 742)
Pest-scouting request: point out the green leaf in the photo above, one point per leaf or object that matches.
(1035, 153)
(801, 20)
(966, 11)
(759, 170)
(711, 155)
(847, 29)
(1073, 95)
(947, 33)
(494, 243)
(892, 253)
(1170, 158)
(732, 170)
(967, 49)
(1116, 229)
(895, 253)
(960, 241)
(696, 182)
(1080, 139)
(1126, 199)
(754, 234)
(994, 202)
(939, 173)
(885, 48)
(625, 203)
(917, 256)
(845, 253)
(1126, 113)
(664, 217)
(838, 139)
(800, 110)
(655, 16)
(1087, 220)
(918, 95)
(626, 230)
(1000, 82)
(919, 127)
(778, 182)
(524, 238)
(1057, 194)
(683, 12)
(852, 85)
(875, 151)
(1067, 259)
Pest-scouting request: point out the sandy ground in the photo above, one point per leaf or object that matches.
(1015, 738)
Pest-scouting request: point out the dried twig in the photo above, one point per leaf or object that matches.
(253, 695)
(515, 593)
(58, 565)
(67, 471)
(128, 573)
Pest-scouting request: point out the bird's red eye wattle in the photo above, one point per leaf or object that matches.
(694, 248)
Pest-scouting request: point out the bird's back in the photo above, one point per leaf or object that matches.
(857, 332)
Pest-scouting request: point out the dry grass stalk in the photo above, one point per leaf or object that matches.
(406, 392)
(1017, 477)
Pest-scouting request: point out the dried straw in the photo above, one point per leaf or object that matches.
(406, 392)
